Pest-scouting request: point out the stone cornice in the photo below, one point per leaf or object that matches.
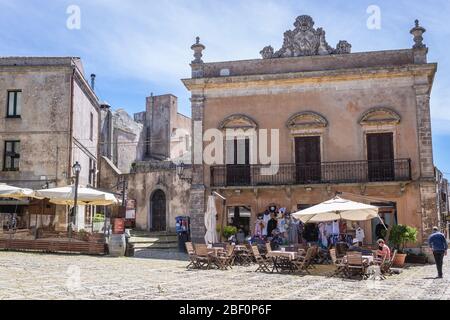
(314, 76)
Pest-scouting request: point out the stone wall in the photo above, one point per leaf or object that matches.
(147, 178)
(128, 141)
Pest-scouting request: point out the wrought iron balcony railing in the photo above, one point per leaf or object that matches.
(320, 173)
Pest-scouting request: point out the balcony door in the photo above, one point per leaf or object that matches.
(380, 154)
(308, 160)
(238, 162)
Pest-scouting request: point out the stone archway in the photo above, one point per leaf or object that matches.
(158, 211)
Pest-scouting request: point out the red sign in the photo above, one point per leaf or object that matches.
(119, 226)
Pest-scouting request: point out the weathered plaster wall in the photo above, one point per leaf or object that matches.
(43, 128)
(128, 140)
(145, 182)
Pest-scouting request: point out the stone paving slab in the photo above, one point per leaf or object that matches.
(69, 277)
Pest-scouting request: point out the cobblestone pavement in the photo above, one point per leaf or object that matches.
(40, 276)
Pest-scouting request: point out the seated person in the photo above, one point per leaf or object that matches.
(356, 248)
(383, 250)
(240, 237)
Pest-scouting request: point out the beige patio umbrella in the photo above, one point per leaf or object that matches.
(338, 209)
(7, 191)
(86, 196)
(210, 222)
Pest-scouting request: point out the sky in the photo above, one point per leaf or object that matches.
(139, 47)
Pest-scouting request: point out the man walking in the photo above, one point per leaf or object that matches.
(438, 243)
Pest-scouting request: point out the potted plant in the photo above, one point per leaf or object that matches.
(399, 237)
(229, 231)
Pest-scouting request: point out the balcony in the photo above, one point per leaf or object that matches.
(320, 173)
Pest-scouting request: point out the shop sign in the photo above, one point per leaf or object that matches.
(119, 226)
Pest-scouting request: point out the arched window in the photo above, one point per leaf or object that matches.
(238, 121)
(380, 116)
(306, 120)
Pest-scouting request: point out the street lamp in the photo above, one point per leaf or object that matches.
(180, 170)
(76, 169)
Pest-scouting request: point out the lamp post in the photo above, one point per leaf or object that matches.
(76, 169)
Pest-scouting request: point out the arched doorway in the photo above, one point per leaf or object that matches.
(158, 211)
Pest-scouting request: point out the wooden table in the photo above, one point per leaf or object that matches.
(242, 255)
(215, 251)
(282, 260)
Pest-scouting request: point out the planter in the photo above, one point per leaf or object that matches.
(415, 259)
(399, 260)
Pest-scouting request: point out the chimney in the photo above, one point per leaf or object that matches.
(93, 81)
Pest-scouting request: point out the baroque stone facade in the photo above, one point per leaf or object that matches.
(302, 92)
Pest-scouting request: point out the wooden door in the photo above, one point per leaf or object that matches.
(239, 171)
(158, 211)
(308, 160)
(380, 155)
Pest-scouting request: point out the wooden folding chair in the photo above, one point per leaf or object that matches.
(388, 263)
(264, 265)
(204, 258)
(225, 259)
(192, 256)
(303, 263)
(356, 264)
(338, 263)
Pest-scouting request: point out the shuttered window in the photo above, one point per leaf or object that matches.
(12, 156)
(14, 108)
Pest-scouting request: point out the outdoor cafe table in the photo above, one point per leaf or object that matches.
(369, 260)
(282, 260)
(215, 251)
(242, 255)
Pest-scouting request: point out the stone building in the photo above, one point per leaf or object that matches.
(50, 120)
(146, 151)
(354, 123)
(442, 192)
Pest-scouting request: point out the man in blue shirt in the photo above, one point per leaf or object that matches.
(438, 243)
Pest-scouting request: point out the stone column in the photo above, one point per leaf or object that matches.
(427, 183)
(197, 201)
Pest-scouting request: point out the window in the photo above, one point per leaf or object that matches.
(91, 127)
(12, 156)
(92, 170)
(14, 104)
(380, 154)
(308, 159)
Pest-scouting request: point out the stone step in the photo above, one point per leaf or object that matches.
(147, 234)
(147, 246)
(165, 254)
(154, 240)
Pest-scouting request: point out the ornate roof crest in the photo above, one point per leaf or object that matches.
(304, 40)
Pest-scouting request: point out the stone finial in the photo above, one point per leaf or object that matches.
(198, 51)
(418, 32)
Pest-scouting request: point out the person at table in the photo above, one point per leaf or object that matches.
(383, 250)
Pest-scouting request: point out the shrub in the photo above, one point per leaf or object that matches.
(400, 235)
(99, 217)
(229, 231)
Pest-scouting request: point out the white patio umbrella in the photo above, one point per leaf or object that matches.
(7, 191)
(338, 209)
(210, 222)
(86, 196)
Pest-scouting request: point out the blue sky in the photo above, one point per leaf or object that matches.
(141, 46)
